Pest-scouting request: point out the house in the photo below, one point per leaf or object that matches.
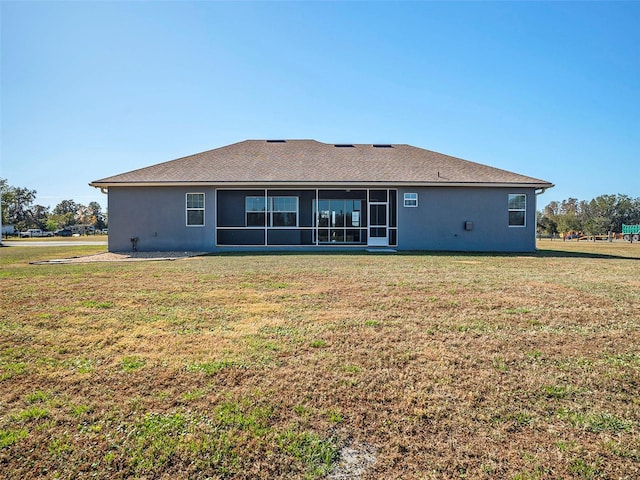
(304, 194)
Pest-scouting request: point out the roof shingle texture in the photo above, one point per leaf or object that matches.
(309, 161)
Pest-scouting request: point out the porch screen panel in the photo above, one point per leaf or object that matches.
(231, 207)
(353, 213)
(378, 214)
(393, 202)
(240, 236)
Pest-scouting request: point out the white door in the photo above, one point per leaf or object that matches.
(378, 224)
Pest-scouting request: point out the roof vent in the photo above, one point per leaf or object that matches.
(382, 145)
(343, 145)
(276, 141)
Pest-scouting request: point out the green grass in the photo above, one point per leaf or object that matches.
(96, 304)
(257, 366)
(10, 370)
(210, 368)
(315, 453)
(81, 365)
(11, 436)
(131, 363)
(581, 469)
(596, 421)
(38, 397)
(557, 391)
(32, 413)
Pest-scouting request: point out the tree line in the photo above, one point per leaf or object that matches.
(600, 215)
(19, 209)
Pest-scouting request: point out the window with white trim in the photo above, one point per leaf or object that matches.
(271, 211)
(410, 199)
(517, 209)
(255, 209)
(195, 209)
(284, 211)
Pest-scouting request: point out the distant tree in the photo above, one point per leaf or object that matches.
(51, 224)
(84, 216)
(65, 207)
(38, 215)
(18, 209)
(4, 185)
(628, 211)
(568, 219)
(65, 213)
(546, 224)
(593, 218)
(16, 205)
(552, 209)
(603, 214)
(56, 221)
(96, 212)
(547, 220)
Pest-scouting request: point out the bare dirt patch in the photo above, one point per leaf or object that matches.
(353, 462)
(123, 257)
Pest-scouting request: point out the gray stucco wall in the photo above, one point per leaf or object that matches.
(157, 216)
(438, 222)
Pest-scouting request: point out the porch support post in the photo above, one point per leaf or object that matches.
(315, 217)
(266, 216)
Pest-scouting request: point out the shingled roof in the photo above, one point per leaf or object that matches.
(308, 162)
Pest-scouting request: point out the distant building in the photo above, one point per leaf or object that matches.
(7, 230)
(82, 229)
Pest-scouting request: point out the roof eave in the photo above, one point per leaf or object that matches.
(261, 184)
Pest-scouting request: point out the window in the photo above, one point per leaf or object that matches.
(271, 211)
(284, 211)
(255, 208)
(517, 209)
(195, 209)
(410, 199)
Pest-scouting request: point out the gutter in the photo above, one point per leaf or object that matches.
(293, 184)
(543, 189)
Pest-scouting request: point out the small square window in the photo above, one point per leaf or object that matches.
(410, 199)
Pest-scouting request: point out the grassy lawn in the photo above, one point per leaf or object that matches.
(264, 366)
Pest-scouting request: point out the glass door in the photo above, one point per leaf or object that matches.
(339, 221)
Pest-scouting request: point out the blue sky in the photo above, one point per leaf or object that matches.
(93, 89)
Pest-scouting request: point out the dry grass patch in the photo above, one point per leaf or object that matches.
(268, 366)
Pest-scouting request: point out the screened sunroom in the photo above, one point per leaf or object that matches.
(321, 217)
